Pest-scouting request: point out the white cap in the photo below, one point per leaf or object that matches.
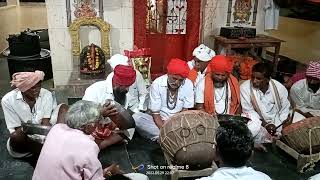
(118, 59)
(203, 53)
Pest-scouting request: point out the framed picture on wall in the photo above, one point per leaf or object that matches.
(83, 8)
(242, 12)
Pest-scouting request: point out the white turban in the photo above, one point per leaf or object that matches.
(203, 53)
(118, 59)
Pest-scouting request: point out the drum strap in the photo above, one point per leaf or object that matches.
(275, 94)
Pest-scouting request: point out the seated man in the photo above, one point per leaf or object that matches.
(70, 152)
(28, 103)
(137, 93)
(219, 91)
(233, 149)
(169, 94)
(265, 101)
(202, 56)
(305, 93)
(115, 88)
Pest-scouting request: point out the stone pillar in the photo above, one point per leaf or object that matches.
(12, 2)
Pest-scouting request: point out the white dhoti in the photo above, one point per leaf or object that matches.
(35, 137)
(146, 126)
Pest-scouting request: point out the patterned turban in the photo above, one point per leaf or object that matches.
(203, 53)
(26, 80)
(313, 69)
(118, 59)
(178, 67)
(124, 75)
(221, 63)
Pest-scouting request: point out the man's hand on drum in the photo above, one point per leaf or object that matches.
(288, 121)
(108, 110)
(271, 128)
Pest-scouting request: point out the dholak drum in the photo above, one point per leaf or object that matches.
(188, 138)
(298, 135)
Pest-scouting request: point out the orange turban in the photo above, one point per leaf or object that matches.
(178, 67)
(221, 63)
(124, 75)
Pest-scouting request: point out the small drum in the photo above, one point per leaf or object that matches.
(188, 138)
(296, 135)
(36, 132)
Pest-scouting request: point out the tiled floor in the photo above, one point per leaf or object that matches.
(276, 164)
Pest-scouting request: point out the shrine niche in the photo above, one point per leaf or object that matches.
(90, 21)
(92, 60)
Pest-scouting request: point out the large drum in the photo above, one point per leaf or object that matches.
(188, 138)
(298, 135)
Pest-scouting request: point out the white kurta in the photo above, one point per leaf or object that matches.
(267, 104)
(219, 96)
(304, 98)
(241, 173)
(100, 91)
(16, 110)
(158, 103)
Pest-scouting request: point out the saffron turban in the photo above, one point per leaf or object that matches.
(203, 53)
(124, 75)
(221, 63)
(118, 59)
(26, 80)
(313, 69)
(178, 67)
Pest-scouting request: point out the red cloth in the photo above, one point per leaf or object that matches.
(178, 67)
(221, 63)
(124, 75)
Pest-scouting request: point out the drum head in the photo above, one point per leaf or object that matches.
(227, 117)
(124, 119)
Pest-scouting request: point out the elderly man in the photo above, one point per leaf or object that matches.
(28, 103)
(202, 56)
(306, 93)
(218, 92)
(137, 93)
(114, 88)
(169, 94)
(265, 102)
(70, 152)
(234, 148)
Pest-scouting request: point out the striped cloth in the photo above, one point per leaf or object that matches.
(313, 69)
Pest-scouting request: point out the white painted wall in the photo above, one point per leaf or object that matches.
(214, 13)
(118, 13)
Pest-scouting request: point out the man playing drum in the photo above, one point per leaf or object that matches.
(202, 56)
(28, 103)
(218, 92)
(306, 93)
(234, 148)
(265, 102)
(169, 94)
(115, 88)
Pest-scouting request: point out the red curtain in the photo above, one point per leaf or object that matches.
(167, 46)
